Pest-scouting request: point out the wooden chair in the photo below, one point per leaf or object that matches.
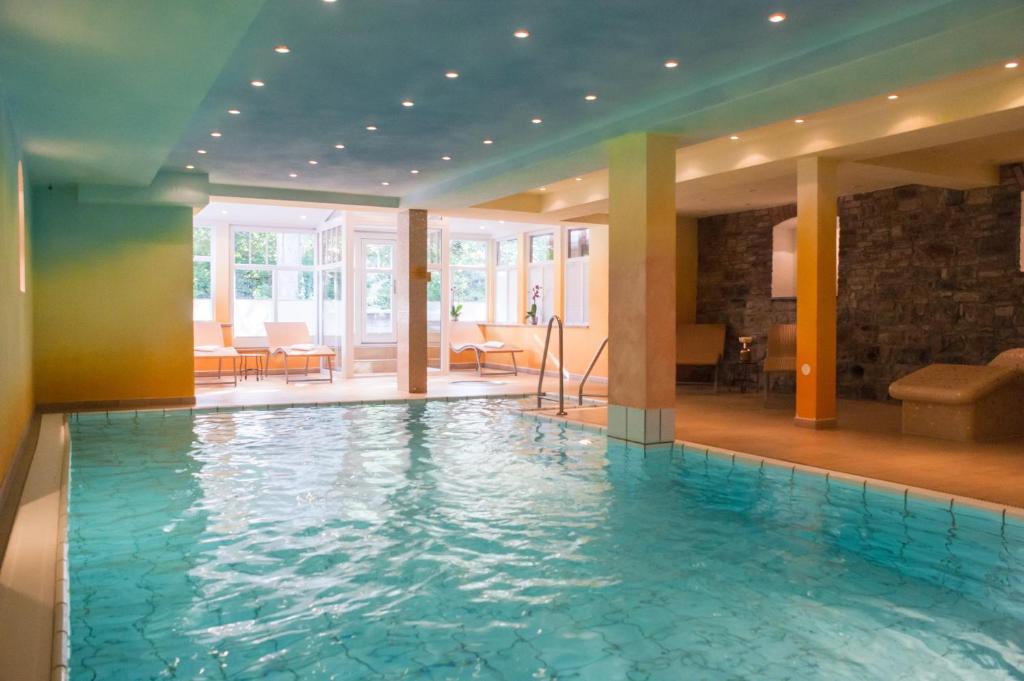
(780, 357)
(700, 345)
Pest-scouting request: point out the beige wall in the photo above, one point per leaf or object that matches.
(16, 395)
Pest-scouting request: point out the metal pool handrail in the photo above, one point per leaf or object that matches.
(544, 363)
(591, 368)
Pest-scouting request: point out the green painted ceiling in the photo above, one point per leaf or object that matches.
(109, 91)
(101, 90)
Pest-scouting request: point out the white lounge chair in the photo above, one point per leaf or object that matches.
(208, 342)
(468, 336)
(292, 340)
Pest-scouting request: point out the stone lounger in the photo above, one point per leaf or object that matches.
(965, 402)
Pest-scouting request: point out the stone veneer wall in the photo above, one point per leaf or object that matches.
(925, 275)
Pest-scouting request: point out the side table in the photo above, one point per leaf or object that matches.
(747, 374)
(261, 356)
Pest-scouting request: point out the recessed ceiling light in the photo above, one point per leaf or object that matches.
(451, 74)
(590, 98)
(579, 179)
(372, 128)
(302, 217)
(536, 121)
(293, 174)
(414, 171)
(483, 226)
(446, 158)
(488, 141)
(234, 112)
(223, 212)
(734, 137)
(313, 163)
(798, 120)
(891, 97)
(671, 64)
(521, 33)
(331, 1)
(408, 103)
(339, 146)
(190, 167)
(386, 184)
(1011, 64)
(543, 189)
(257, 83)
(282, 49)
(776, 17)
(200, 151)
(215, 134)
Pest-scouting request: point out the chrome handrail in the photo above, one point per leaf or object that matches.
(544, 363)
(591, 368)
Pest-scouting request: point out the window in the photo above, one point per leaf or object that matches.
(506, 281)
(273, 273)
(541, 272)
(331, 275)
(434, 286)
(202, 274)
(577, 278)
(467, 264)
(22, 264)
(784, 259)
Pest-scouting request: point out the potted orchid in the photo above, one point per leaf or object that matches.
(455, 310)
(531, 314)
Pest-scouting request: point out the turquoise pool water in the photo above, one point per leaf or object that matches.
(461, 541)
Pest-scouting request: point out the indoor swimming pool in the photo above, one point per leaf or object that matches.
(460, 540)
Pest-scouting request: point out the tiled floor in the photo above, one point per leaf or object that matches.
(868, 443)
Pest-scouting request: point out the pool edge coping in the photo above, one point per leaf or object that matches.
(998, 509)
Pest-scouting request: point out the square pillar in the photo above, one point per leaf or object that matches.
(641, 288)
(411, 277)
(816, 293)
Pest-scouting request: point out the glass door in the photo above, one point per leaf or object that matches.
(377, 304)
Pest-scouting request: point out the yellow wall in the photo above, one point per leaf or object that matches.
(16, 400)
(580, 342)
(113, 300)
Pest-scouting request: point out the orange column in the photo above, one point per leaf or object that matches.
(641, 288)
(411, 300)
(816, 293)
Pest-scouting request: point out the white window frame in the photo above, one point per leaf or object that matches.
(453, 268)
(542, 272)
(323, 268)
(213, 275)
(375, 238)
(249, 341)
(512, 287)
(577, 282)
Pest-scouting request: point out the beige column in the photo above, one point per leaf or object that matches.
(411, 277)
(641, 288)
(816, 293)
